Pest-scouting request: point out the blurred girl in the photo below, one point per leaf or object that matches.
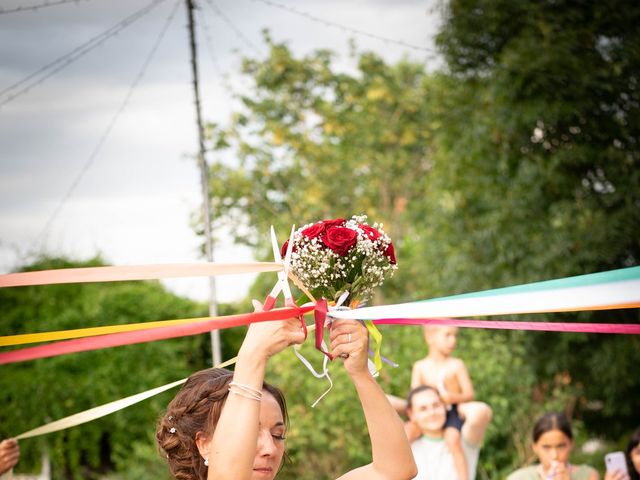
(552, 444)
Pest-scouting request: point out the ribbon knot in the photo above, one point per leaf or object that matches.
(321, 310)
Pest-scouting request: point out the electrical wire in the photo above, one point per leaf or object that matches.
(222, 77)
(34, 8)
(345, 28)
(65, 60)
(90, 161)
(206, 31)
(237, 31)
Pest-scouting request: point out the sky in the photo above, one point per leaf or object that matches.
(98, 157)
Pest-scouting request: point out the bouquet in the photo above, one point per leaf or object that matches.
(341, 261)
(333, 258)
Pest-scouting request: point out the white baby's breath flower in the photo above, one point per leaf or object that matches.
(327, 273)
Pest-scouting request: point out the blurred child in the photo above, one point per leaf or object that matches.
(450, 377)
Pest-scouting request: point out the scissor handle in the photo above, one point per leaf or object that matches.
(269, 303)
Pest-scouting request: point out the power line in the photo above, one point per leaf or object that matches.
(110, 126)
(222, 77)
(237, 31)
(209, 42)
(70, 57)
(34, 8)
(345, 28)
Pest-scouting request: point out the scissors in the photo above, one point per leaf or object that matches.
(282, 285)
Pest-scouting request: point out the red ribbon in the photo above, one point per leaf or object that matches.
(320, 314)
(149, 335)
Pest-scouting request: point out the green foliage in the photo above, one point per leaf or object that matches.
(316, 144)
(518, 163)
(549, 143)
(37, 392)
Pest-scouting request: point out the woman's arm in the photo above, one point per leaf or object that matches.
(231, 451)
(392, 456)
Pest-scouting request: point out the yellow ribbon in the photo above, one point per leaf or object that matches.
(22, 339)
(375, 334)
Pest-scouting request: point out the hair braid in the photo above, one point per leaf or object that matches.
(195, 409)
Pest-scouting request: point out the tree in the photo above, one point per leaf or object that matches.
(516, 163)
(313, 143)
(34, 393)
(550, 144)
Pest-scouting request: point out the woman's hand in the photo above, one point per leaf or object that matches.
(559, 471)
(616, 475)
(9, 454)
(445, 396)
(265, 339)
(350, 341)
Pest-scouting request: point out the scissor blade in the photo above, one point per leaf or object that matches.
(276, 248)
(287, 257)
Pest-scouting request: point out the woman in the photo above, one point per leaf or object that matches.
(224, 425)
(428, 412)
(552, 444)
(632, 455)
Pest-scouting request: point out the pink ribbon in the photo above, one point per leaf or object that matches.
(620, 328)
(132, 272)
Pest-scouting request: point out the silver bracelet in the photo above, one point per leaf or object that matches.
(236, 391)
(236, 387)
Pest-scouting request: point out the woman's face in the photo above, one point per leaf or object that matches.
(271, 431)
(428, 412)
(553, 446)
(635, 458)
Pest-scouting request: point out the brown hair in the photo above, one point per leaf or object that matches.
(633, 443)
(197, 408)
(420, 389)
(549, 422)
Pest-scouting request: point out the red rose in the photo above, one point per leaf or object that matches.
(371, 233)
(314, 230)
(390, 253)
(338, 222)
(340, 239)
(283, 250)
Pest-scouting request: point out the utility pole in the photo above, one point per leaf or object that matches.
(204, 181)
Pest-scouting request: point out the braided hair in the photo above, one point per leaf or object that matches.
(197, 408)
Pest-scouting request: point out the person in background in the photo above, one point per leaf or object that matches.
(449, 376)
(433, 458)
(632, 456)
(9, 454)
(552, 444)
